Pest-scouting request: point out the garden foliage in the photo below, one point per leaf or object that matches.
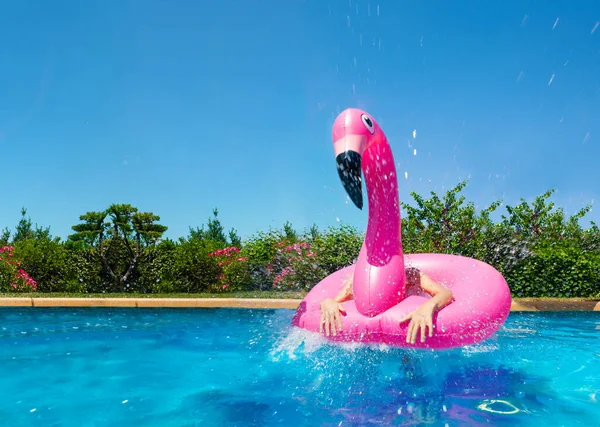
(540, 250)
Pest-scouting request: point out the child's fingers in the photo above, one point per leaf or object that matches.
(322, 322)
(407, 317)
(409, 332)
(415, 331)
(330, 327)
(338, 318)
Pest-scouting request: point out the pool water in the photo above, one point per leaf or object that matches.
(193, 367)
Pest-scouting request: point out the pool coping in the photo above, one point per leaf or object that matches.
(528, 304)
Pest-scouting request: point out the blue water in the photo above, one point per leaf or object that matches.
(188, 367)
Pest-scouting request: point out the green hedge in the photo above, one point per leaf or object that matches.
(540, 251)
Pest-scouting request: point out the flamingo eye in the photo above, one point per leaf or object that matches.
(368, 123)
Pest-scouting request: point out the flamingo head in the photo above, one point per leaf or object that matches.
(353, 132)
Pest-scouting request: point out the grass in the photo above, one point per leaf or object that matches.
(551, 299)
(246, 294)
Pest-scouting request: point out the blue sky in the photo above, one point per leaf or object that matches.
(179, 107)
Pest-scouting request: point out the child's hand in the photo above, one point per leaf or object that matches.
(421, 318)
(331, 319)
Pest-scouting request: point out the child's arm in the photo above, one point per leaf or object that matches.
(345, 294)
(440, 296)
(422, 317)
(331, 321)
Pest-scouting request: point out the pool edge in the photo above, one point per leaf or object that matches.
(516, 305)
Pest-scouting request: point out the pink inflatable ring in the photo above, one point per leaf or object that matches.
(481, 296)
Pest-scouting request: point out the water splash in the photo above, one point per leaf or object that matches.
(297, 338)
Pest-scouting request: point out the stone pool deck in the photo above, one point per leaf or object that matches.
(525, 304)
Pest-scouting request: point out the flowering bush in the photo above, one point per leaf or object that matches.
(12, 277)
(295, 267)
(234, 269)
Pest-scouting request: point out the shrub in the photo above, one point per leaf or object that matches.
(192, 270)
(13, 278)
(445, 224)
(556, 272)
(48, 262)
(295, 267)
(234, 270)
(154, 272)
(540, 251)
(337, 248)
(260, 250)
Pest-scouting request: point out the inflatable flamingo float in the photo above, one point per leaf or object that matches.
(481, 295)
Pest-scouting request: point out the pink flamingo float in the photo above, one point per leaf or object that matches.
(481, 295)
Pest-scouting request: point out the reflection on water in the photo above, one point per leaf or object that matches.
(250, 368)
(493, 383)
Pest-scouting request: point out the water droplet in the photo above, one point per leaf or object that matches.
(125, 401)
(585, 138)
(555, 24)
(405, 175)
(595, 27)
(414, 133)
(551, 80)
(415, 152)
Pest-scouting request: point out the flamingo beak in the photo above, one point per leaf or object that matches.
(349, 169)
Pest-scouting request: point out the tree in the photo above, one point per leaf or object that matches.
(290, 234)
(234, 238)
(4, 237)
(313, 232)
(25, 230)
(540, 220)
(121, 225)
(446, 224)
(215, 232)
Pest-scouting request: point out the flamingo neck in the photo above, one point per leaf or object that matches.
(383, 239)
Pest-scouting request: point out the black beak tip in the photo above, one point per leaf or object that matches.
(349, 169)
(357, 199)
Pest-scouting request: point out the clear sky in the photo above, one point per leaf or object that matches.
(177, 107)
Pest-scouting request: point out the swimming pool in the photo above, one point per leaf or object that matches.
(186, 367)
